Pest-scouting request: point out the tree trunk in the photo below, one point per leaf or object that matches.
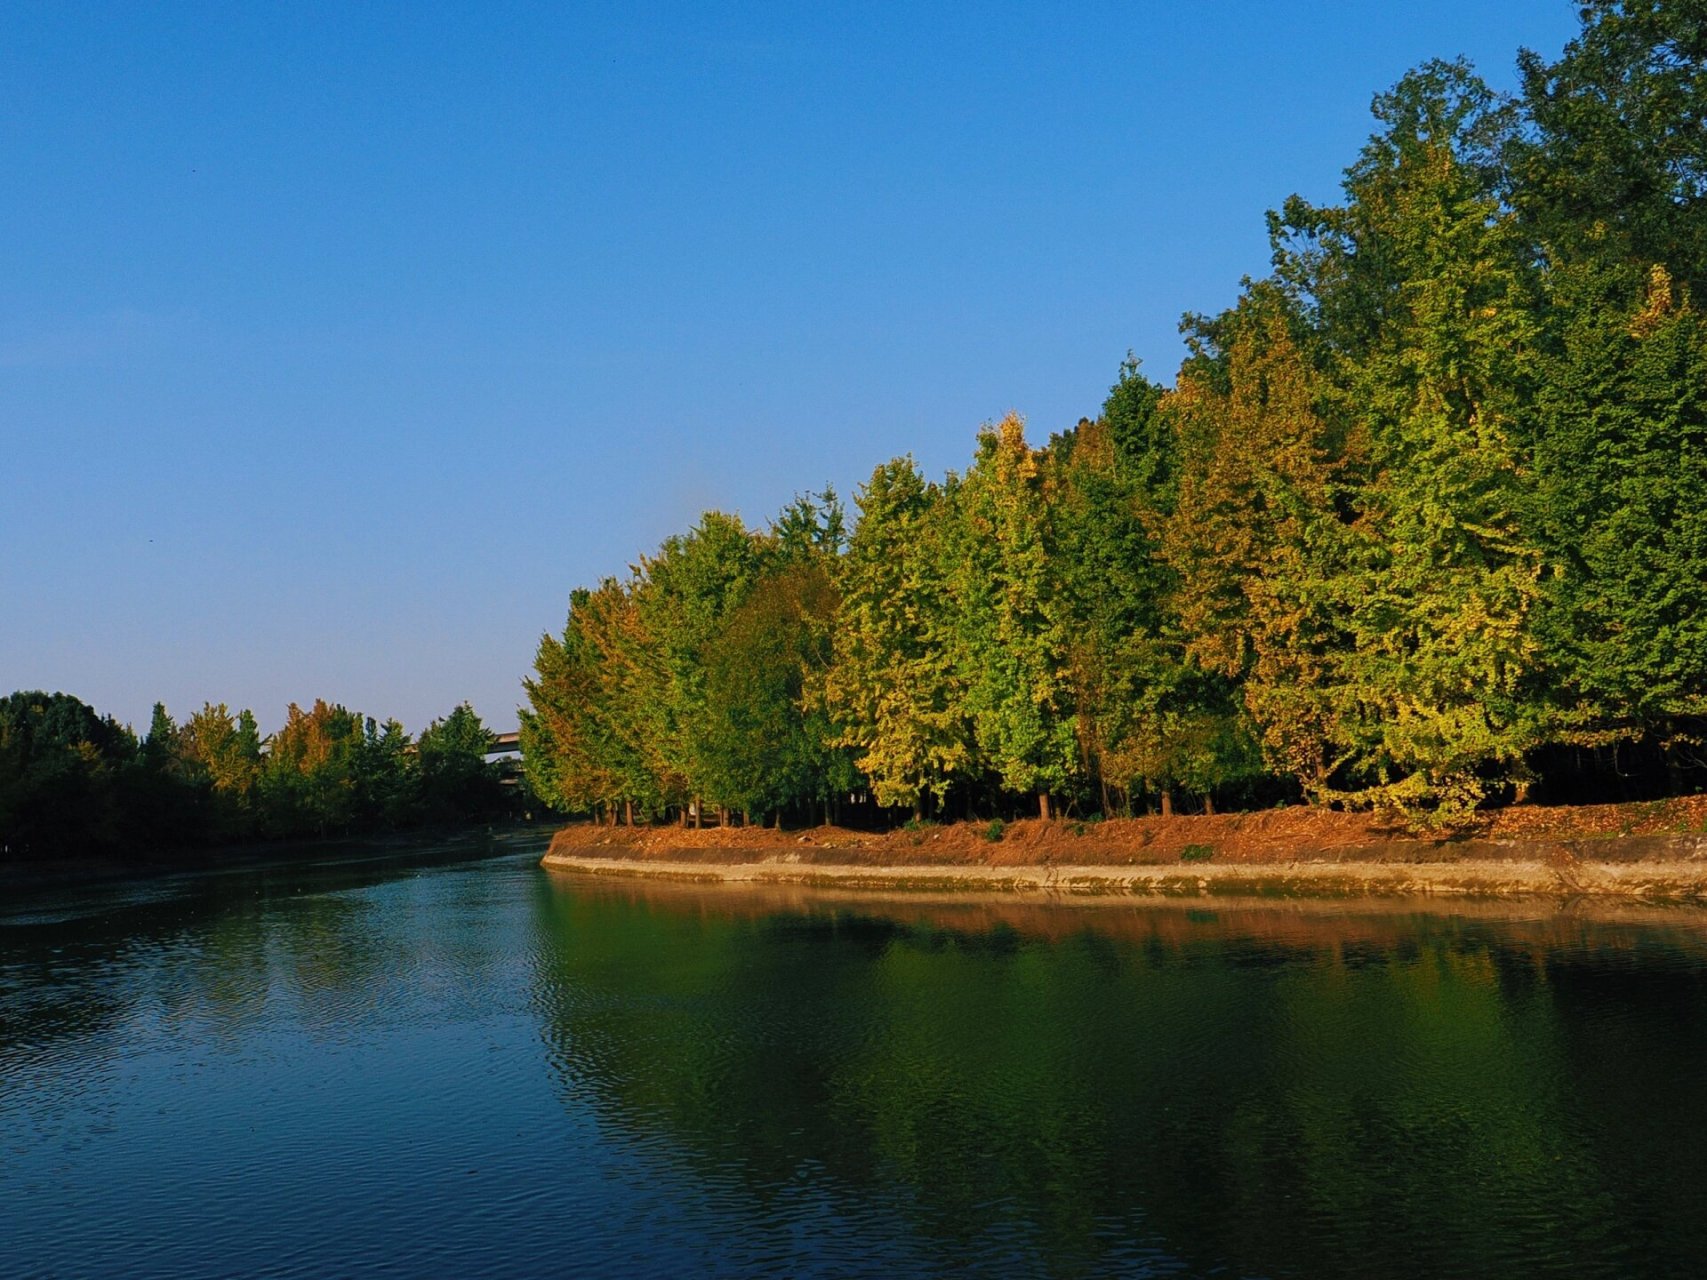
(1167, 803)
(1208, 804)
(1043, 805)
(698, 813)
(1102, 786)
(628, 812)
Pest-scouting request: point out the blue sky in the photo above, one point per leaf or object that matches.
(338, 342)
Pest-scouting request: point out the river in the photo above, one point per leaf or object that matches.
(437, 1065)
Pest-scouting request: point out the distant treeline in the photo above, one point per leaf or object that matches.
(1421, 524)
(75, 783)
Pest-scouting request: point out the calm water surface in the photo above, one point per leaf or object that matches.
(461, 1068)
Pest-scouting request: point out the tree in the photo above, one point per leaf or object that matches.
(164, 797)
(309, 783)
(1429, 275)
(1622, 461)
(1009, 639)
(893, 685)
(562, 761)
(768, 739)
(62, 769)
(681, 596)
(1104, 569)
(390, 790)
(1613, 168)
(1257, 543)
(224, 754)
(1139, 435)
(618, 712)
(160, 749)
(456, 781)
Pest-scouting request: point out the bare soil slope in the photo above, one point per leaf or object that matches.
(1672, 830)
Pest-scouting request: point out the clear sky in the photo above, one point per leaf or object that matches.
(338, 342)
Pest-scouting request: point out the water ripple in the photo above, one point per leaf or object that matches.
(476, 1069)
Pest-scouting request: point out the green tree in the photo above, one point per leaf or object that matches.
(1432, 286)
(160, 749)
(1139, 434)
(1622, 460)
(1010, 639)
(768, 743)
(1104, 570)
(681, 596)
(165, 798)
(389, 790)
(583, 733)
(455, 779)
(562, 761)
(893, 686)
(62, 773)
(1613, 168)
(1147, 718)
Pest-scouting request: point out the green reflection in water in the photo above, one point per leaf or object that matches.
(1262, 1091)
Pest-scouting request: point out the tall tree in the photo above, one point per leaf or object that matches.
(1257, 541)
(1437, 362)
(1614, 166)
(582, 735)
(893, 685)
(1010, 638)
(768, 741)
(681, 597)
(1622, 460)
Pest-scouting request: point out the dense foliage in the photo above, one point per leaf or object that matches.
(74, 783)
(1421, 524)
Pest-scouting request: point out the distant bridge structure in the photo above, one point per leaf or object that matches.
(505, 744)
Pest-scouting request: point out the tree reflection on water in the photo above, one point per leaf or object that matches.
(1284, 1089)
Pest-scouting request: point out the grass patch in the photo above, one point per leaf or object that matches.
(1197, 853)
(994, 832)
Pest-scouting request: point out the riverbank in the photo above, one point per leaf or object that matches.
(1647, 852)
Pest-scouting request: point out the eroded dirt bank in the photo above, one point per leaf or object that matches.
(1655, 851)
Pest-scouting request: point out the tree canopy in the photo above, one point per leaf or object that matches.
(1420, 524)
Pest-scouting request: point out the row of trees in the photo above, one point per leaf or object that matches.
(73, 782)
(1421, 523)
